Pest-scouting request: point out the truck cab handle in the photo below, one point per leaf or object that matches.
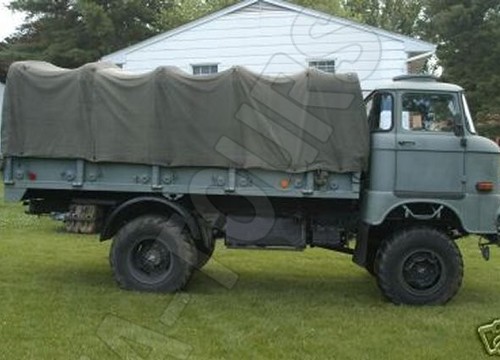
(406, 142)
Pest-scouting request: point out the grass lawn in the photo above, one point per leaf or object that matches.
(58, 300)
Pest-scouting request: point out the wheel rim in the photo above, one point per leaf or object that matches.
(423, 272)
(150, 260)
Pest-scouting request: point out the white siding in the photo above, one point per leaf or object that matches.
(272, 40)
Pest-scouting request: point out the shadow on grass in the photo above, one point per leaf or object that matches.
(265, 285)
(271, 286)
(252, 283)
(359, 287)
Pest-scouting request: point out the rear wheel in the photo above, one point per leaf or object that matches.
(153, 253)
(419, 266)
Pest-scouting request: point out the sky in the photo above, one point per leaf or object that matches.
(8, 20)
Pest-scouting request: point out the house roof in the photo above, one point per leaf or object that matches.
(412, 45)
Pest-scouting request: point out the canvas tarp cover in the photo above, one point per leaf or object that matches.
(308, 121)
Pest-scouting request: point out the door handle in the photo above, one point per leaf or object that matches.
(406, 142)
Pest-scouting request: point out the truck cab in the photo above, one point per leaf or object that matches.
(425, 150)
(429, 169)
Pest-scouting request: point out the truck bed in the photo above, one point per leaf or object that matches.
(310, 121)
(23, 174)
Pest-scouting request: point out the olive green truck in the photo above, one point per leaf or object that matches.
(164, 163)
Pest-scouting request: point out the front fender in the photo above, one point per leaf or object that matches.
(378, 205)
(477, 213)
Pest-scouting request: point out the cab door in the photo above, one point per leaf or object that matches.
(430, 152)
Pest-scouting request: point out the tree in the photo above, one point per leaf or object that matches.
(467, 34)
(70, 33)
(400, 16)
(328, 6)
(183, 11)
(393, 15)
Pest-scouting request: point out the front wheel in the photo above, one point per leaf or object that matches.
(153, 253)
(419, 266)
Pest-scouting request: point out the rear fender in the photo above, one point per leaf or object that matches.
(139, 206)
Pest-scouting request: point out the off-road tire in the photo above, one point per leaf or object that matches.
(419, 266)
(153, 253)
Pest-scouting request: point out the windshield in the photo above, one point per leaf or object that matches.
(470, 123)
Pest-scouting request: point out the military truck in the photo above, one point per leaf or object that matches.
(164, 163)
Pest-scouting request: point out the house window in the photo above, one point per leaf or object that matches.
(205, 69)
(323, 65)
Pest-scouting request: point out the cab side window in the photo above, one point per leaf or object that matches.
(430, 112)
(379, 108)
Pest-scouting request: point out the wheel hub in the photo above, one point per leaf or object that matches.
(422, 270)
(151, 258)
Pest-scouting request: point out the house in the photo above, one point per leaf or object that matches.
(275, 37)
